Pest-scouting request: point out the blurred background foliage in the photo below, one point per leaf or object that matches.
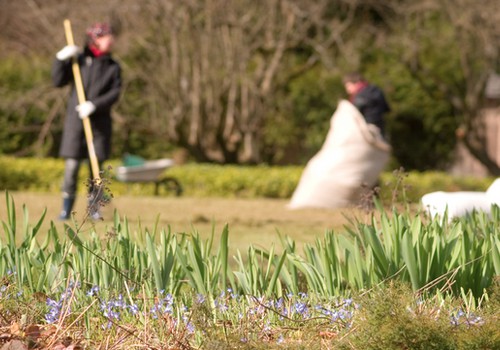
(257, 82)
(227, 181)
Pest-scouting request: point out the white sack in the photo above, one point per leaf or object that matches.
(461, 203)
(349, 162)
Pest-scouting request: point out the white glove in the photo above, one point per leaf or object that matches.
(67, 52)
(85, 109)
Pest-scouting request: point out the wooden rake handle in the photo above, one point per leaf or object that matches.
(81, 99)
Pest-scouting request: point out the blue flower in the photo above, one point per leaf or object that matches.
(54, 310)
(200, 298)
(165, 305)
(221, 306)
(134, 309)
(119, 303)
(279, 304)
(189, 326)
(93, 291)
(301, 309)
(347, 302)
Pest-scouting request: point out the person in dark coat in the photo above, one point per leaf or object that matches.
(369, 99)
(101, 76)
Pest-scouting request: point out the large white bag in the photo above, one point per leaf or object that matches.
(349, 163)
(461, 203)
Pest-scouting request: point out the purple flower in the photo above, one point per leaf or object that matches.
(200, 298)
(54, 310)
(93, 291)
(165, 305)
(134, 309)
(301, 309)
(189, 326)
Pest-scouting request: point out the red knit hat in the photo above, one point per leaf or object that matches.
(98, 30)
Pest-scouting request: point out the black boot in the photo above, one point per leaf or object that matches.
(66, 208)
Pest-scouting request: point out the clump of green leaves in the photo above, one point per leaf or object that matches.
(461, 257)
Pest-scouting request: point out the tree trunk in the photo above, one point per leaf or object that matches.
(476, 142)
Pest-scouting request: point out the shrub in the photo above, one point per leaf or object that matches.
(204, 180)
(30, 174)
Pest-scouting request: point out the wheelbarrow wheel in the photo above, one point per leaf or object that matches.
(170, 184)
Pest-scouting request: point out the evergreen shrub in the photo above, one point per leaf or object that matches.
(205, 180)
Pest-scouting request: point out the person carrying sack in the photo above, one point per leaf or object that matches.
(369, 99)
(101, 77)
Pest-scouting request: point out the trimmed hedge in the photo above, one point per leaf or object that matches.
(210, 180)
(31, 174)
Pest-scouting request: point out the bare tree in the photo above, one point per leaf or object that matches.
(202, 65)
(211, 67)
(206, 70)
(31, 31)
(206, 74)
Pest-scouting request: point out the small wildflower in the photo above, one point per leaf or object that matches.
(93, 291)
(54, 310)
(233, 295)
(74, 285)
(475, 321)
(347, 302)
(2, 290)
(301, 309)
(279, 304)
(200, 298)
(134, 309)
(165, 305)
(220, 303)
(189, 326)
(119, 302)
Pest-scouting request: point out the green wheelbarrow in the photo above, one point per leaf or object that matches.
(135, 169)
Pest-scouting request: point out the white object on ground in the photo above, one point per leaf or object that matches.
(348, 164)
(462, 202)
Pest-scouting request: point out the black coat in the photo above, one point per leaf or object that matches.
(102, 83)
(371, 102)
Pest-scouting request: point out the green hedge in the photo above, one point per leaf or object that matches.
(31, 174)
(205, 180)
